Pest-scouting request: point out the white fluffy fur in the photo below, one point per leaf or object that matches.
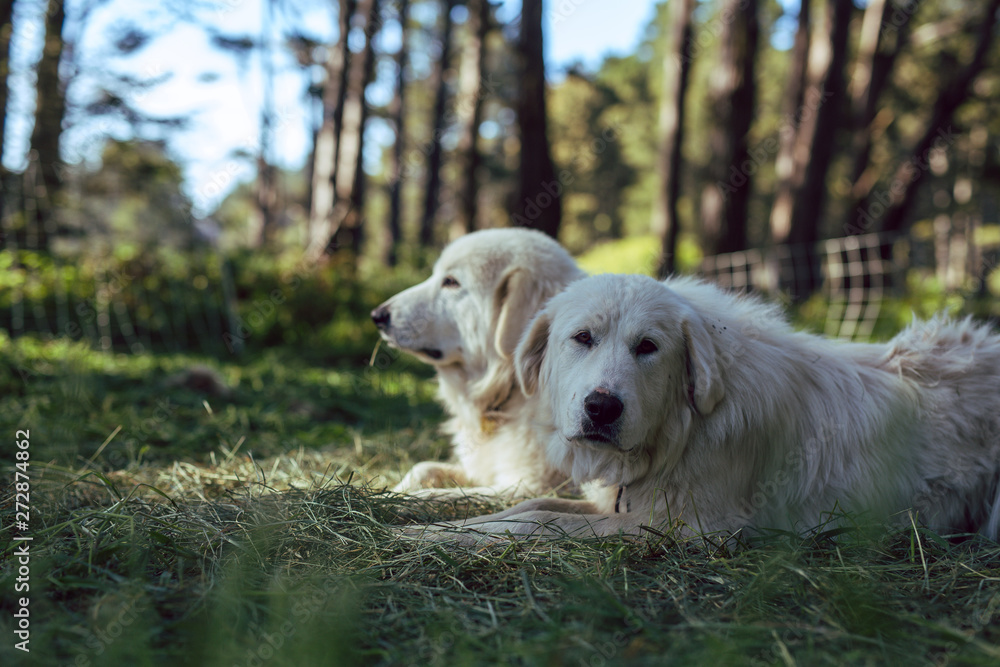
(468, 330)
(737, 422)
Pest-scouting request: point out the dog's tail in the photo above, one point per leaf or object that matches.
(932, 350)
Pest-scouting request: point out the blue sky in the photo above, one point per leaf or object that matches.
(588, 30)
(222, 95)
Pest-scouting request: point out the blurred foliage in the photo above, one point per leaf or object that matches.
(598, 177)
(623, 93)
(323, 309)
(168, 300)
(637, 254)
(133, 199)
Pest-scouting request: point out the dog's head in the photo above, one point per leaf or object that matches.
(615, 357)
(471, 312)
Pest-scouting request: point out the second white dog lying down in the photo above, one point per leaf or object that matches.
(466, 320)
(688, 404)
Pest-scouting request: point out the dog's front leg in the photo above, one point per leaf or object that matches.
(559, 505)
(516, 520)
(550, 524)
(432, 475)
(537, 523)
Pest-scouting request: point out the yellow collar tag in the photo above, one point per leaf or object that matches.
(489, 424)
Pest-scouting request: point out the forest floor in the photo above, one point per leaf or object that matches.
(240, 517)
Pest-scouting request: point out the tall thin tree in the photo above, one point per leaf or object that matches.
(397, 108)
(326, 147)
(816, 137)
(826, 85)
(789, 168)
(676, 70)
(267, 187)
(469, 111)
(435, 156)
(539, 197)
(6, 30)
(725, 201)
(345, 227)
(50, 111)
(353, 219)
(877, 52)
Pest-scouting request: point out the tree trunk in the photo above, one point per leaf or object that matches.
(861, 90)
(876, 56)
(469, 109)
(538, 202)
(676, 69)
(725, 202)
(788, 171)
(815, 140)
(267, 191)
(50, 111)
(432, 192)
(327, 144)
(826, 86)
(394, 228)
(939, 134)
(354, 219)
(347, 217)
(6, 29)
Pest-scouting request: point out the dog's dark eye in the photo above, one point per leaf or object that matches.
(645, 346)
(583, 338)
(449, 281)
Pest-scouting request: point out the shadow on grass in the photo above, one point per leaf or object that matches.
(122, 410)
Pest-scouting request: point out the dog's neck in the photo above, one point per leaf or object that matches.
(473, 414)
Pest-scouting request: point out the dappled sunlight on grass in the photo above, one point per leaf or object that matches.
(158, 408)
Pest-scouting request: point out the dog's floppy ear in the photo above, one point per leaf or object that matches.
(704, 388)
(531, 352)
(517, 298)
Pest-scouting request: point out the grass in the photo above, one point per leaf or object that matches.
(73, 399)
(244, 520)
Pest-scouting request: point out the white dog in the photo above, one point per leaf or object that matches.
(466, 320)
(700, 410)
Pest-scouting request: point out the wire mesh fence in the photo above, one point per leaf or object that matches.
(119, 311)
(857, 274)
(117, 299)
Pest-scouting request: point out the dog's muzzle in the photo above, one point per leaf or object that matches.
(383, 322)
(381, 317)
(601, 408)
(601, 413)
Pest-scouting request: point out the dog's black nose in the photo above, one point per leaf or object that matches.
(380, 316)
(602, 408)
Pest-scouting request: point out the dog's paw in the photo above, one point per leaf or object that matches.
(431, 475)
(451, 533)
